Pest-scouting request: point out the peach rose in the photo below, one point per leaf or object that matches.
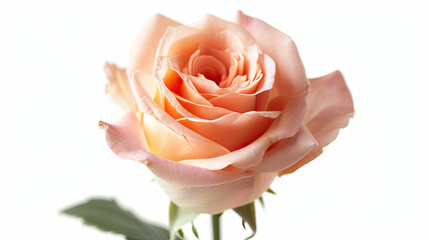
(218, 109)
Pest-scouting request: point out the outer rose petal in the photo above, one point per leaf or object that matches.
(287, 152)
(143, 50)
(330, 108)
(212, 23)
(308, 158)
(184, 40)
(218, 198)
(118, 87)
(126, 138)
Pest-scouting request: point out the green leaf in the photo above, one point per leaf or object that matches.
(181, 234)
(194, 230)
(269, 190)
(248, 214)
(261, 200)
(178, 218)
(107, 215)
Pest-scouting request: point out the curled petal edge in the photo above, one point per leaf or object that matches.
(126, 139)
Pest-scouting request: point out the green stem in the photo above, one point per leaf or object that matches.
(216, 226)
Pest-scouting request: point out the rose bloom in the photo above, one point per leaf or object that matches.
(218, 109)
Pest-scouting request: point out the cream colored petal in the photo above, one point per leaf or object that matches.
(143, 50)
(143, 84)
(118, 87)
(212, 23)
(185, 40)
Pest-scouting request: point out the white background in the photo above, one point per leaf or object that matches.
(371, 183)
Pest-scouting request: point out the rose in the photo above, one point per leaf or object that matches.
(218, 109)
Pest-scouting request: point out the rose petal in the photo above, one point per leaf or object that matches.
(223, 55)
(285, 126)
(202, 111)
(287, 152)
(118, 87)
(308, 158)
(143, 50)
(210, 199)
(291, 80)
(185, 40)
(212, 24)
(209, 67)
(233, 131)
(235, 102)
(126, 139)
(240, 102)
(164, 98)
(218, 198)
(162, 132)
(186, 89)
(330, 106)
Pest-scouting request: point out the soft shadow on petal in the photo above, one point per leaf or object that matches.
(118, 87)
(143, 50)
(127, 140)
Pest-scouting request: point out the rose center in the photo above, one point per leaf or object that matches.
(209, 67)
